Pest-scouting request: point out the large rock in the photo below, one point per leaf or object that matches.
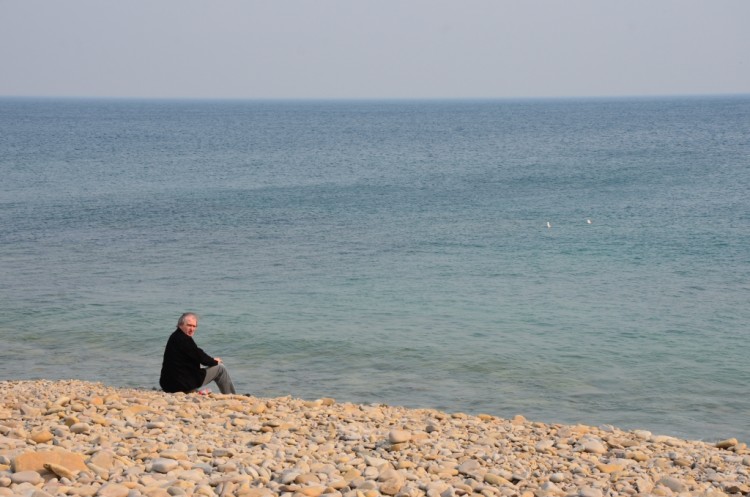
(35, 461)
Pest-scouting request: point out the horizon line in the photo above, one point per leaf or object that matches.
(376, 99)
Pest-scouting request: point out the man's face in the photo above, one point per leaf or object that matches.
(189, 326)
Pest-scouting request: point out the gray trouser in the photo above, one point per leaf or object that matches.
(220, 375)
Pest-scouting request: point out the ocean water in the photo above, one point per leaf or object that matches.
(392, 252)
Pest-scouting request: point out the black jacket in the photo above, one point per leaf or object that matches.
(181, 369)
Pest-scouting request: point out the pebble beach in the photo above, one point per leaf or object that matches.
(86, 439)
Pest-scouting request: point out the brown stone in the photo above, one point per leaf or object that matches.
(673, 484)
(35, 461)
(156, 492)
(60, 470)
(312, 491)
(255, 492)
(399, 436)
(637, 456)
(104, 459)
(100, 420)
(496, 480)
(31, 477)
(84, 490)
(306, 479)
(113, 490)
(737, 488)
(351, 474)
(135, 409)
(609, 468)
(726, 444)
(518, 420)
(41, 436)
(392, 486)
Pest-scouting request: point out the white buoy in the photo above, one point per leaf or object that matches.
(588, 221)
(549, 225)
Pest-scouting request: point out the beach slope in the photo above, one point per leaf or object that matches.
(85, 439)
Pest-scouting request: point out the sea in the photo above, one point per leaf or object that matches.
(570, 260)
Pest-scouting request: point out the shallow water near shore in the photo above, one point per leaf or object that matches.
(392, 252)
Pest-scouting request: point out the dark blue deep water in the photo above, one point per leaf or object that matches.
(392, 252)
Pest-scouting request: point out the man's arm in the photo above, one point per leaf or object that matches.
(192, 349)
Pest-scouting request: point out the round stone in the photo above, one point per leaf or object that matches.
(42, 436)
(31, 477)
(557, 477)
(399, 436)
(590, 492)
(113, 490)
(79, 428)
(163, 465)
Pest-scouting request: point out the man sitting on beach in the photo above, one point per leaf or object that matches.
(181, 369)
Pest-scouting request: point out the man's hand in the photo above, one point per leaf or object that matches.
(218, 359)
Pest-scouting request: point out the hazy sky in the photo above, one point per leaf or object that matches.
(373, 48)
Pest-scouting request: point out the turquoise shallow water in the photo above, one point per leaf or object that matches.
(392, 252)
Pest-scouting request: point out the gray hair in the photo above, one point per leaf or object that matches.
(184, 316)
